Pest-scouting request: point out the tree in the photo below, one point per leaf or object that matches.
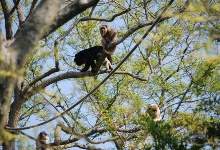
(167, 53)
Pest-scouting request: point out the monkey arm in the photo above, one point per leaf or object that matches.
(113, 36)
(103, 43)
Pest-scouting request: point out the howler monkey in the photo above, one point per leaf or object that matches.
(154, 112)
(89, 56)
(42, 140)
(108, 35)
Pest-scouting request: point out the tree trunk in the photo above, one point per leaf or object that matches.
(9, 146)
(14, 115)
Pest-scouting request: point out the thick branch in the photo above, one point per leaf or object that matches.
(70, 11)
(34, 29)
(67, 75)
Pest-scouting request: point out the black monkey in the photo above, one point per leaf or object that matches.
(89, 56)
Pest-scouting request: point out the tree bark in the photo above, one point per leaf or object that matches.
(15, 55)
(14, 115)
(8, 19)
(70, 11)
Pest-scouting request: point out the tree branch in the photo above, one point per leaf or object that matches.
(13, 9)
(70, 11)
(33, 29)
(83, 146)
(20, 12)
(67, 75)
(33, 6)
(8, 19)
(107, 20)
(48, 73)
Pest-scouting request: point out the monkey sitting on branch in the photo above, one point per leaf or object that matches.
(154, 112)
(42, 140)
(108, 35)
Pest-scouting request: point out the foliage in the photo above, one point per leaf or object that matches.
(176, 66)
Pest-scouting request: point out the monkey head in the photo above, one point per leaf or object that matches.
(154, 107)
(154, 112)
(108, 32)
(79, 59)
(43, 137)
(108, 35)
(42, 140)
(103, 30)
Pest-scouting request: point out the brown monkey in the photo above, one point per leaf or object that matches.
(42, 140)
(108, 35)
(154, 112)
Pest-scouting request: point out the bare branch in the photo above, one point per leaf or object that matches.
(83, 146)
(145, 8)
(131, 75)
(33, 29)
(48, 73)
(107, 20)
(182, 99)
(8, 19)
(20, 12)
(13, 9)
(33, 6)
